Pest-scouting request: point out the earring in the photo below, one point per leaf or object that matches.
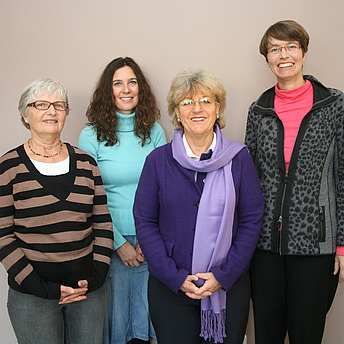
(217, 116)
(178, 119)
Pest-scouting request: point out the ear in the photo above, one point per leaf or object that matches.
(24, 118)
(268, 63)
(177, 112)
(217, 108)
(304, 57)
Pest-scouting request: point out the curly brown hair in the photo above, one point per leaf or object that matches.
(102, 110)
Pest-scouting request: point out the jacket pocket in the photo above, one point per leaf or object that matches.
(169, 248)
(322, 234)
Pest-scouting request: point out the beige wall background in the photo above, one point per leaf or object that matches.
(73, 41)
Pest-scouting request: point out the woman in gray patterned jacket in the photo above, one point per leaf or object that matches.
(295, 133)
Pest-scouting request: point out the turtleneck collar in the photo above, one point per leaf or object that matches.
(125, 122)
(297, 93)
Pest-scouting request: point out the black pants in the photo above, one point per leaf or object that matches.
(291, 293)
(177, 318)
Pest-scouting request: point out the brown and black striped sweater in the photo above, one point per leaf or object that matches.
(53, 230)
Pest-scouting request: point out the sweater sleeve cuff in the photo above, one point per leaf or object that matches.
(119, 240)
(340, 250)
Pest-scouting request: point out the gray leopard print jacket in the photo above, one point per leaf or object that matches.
(306, 202)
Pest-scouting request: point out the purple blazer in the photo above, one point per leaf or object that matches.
(165, 212)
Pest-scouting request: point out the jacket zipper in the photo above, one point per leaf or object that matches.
(271, 111)
(280, 218)
(322, 224)
(286, 175)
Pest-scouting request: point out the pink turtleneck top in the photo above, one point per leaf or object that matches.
(291, 107)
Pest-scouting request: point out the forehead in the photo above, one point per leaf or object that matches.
(274, 41)
(198, 93)
(125, 72)
(44, 95)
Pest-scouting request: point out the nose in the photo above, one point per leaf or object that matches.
(125, 88)
(284, 52)
(197, 105)
(51, 109)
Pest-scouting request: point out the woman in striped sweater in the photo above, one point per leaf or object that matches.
(55, 229)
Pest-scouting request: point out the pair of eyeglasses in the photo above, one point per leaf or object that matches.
(290, 48)
(45, 105)
(189, 103)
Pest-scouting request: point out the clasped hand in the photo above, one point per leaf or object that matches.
(131, 256)
(69, 294)
(210, 286)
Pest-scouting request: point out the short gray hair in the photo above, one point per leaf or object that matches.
(193, 80)
(35, 90)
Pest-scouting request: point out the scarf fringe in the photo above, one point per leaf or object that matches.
(213, 325)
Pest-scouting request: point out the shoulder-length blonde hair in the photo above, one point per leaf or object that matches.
(191, 81)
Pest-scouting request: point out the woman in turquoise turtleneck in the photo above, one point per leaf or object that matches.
(121, 131)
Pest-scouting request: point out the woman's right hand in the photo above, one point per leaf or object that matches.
(130, 256)
(69, 294)
(188, 287)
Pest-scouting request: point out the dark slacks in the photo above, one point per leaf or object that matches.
(291, 293)
(176, 318)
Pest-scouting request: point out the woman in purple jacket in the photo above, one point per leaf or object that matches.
(198, 214)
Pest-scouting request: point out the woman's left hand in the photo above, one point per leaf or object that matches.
(139, 251)
(129, 255)
(339, 267)
(210, 286)
(69, 294)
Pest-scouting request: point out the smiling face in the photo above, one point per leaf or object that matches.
(46, 122)
(286, 66)
(125, 89)
(198, 120)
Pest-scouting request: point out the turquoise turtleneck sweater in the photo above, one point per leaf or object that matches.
(120, 167)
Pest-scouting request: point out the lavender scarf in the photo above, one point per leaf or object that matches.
(213, 237)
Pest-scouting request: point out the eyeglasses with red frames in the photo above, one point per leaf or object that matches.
(45, 105)
(290, 48)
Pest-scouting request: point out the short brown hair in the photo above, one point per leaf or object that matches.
(285, 30)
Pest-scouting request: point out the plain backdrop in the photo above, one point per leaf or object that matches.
(73, 40)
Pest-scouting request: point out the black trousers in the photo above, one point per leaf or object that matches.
(291, 293)
(176, 318)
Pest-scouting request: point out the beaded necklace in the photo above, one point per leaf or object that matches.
(45, 156)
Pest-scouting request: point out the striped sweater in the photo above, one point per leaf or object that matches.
(53, 230)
